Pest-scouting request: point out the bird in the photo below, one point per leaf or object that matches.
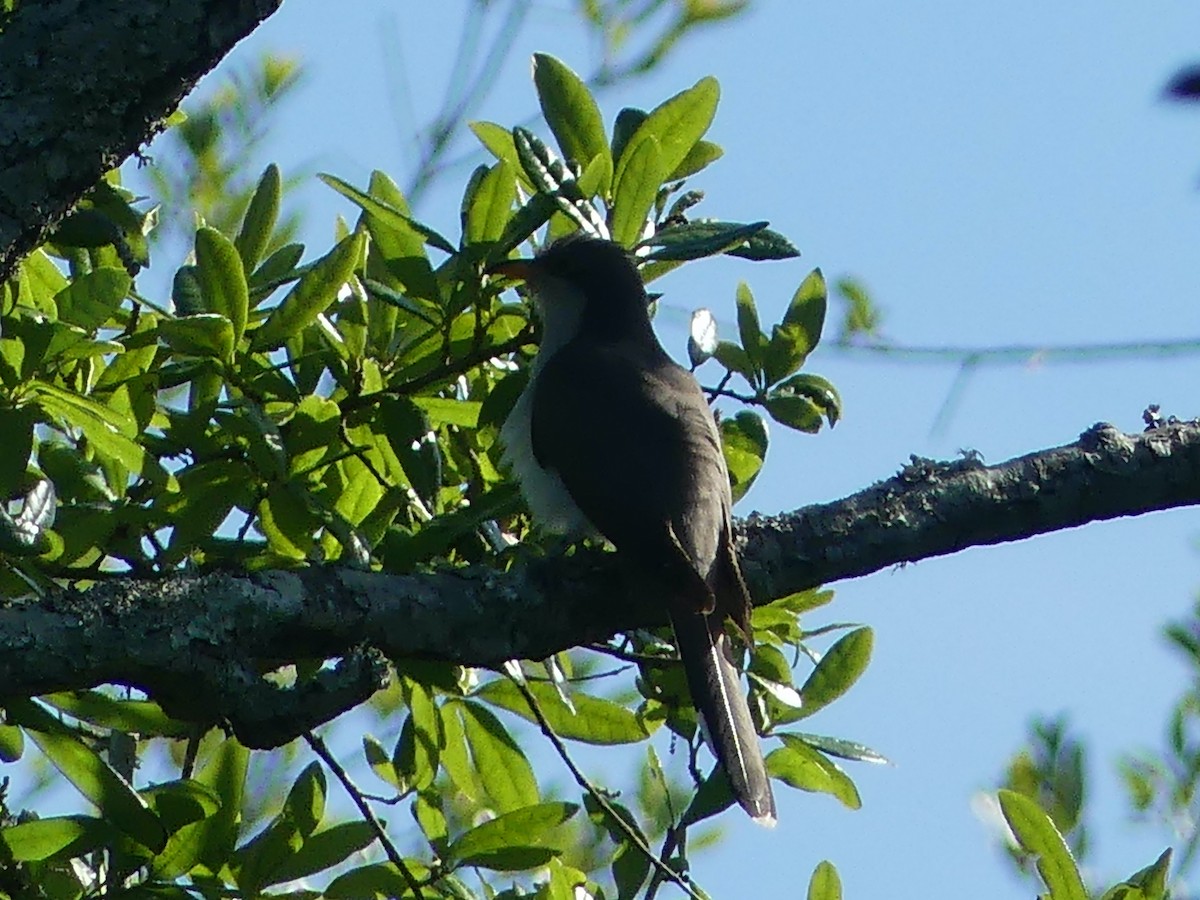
(611, 437)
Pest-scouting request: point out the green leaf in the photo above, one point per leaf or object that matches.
(95, 779)
(386, 212)
(257, 861)
(794, 338)
(824, 883)
(702, 155)
(222, 279)
(185, 292)
(524, 222)
(185, 807)
(40, 282)
(635, 189)
(1037, 836)
(795, 412)
(593, 721)
(1149, 883)
(225, 774)
(735, 359)
(259, 222)
(803, 767)
(677, 124)
(498, 141)
(305, 803)
(90, 300)
(12, 743)
(749, 331)
(62, 837)
(765, 245)
(802, 400)
(696, 240)
(287, 522)
(842, 748)
(522, 839)
(407, 429)
(86, 227)
(807, 308)
(628, 121)
(837, 671)
(374, 881)
(380, 762)
(182, 802)
(276, 268)
(324, 850)
(140, 717)
(208, 492)
(491, 204)
(418, 751)
(744, 440)
(444, 411)
(205, 334)
(312, 294)
(570, 111)
(504, 772)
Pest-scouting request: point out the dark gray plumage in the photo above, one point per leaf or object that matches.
(612, 437)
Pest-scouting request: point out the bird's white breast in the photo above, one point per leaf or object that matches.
(560, 308)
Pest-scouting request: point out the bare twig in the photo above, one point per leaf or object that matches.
(660, 867)
(318, 745)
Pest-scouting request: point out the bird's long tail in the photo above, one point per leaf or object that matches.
(716, 688)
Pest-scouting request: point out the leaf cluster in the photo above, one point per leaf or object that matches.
(283, 408)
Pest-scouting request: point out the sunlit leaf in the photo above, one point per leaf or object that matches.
(312, 294)
(521, 839)
(1037, 836)
(837, 671)
(824, 883)
(94, 778)
(594, 720)
(634, 190)
(570, 111)
(90, 300)
(744, 440)
(259, 222)
(222, 279)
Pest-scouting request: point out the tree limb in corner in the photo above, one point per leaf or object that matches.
(195, 641)
(83, 85)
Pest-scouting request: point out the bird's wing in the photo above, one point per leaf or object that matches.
(649, 430)
(664, 502)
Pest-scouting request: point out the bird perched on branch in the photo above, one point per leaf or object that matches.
(612, 437)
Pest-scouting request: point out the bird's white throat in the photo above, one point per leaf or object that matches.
(560, 307)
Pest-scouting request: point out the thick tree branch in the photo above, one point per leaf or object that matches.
(193, 640)
(84, 83)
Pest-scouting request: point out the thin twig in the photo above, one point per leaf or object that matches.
(448, 370)
(1020, 354)
(319, 748)
(630, 656)
(636, 839)
(713, 393)
(670, 842)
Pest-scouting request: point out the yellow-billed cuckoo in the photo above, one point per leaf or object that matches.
(612, 437)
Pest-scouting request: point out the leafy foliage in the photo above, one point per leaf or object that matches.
(286, 410)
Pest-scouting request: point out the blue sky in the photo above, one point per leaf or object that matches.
(995, 173)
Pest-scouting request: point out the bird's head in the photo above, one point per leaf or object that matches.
(583, 282)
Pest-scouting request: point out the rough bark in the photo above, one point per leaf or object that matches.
(196, 641)
(84, 83)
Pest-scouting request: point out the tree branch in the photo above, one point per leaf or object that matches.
(192, 640)
(84, 84)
